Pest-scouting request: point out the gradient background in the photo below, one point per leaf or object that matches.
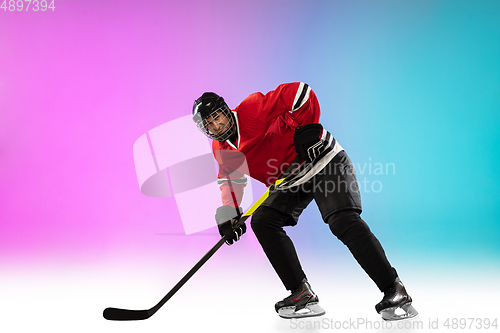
(412, 83)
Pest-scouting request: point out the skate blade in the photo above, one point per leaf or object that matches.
(310, 310)
(389, 314)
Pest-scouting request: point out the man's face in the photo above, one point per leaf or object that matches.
(217, 123)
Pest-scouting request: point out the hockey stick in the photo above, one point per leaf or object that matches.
(125, 314)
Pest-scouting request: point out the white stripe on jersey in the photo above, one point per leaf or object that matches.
(311, 170)
(241, 181)
(301, 96)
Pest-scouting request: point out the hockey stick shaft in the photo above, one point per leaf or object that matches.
(125, 314)
(191, 272)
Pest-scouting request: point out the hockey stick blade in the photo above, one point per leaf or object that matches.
(124, 314)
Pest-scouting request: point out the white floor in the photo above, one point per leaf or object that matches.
(71, 298)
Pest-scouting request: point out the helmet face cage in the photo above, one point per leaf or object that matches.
(225, 132)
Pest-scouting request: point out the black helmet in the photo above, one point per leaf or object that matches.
(211, 104)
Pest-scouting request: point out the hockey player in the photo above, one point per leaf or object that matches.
(269, 132)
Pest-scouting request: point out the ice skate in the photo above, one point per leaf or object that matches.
(396, 298)
(303, 302)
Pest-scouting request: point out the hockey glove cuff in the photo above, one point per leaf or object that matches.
(309, 144)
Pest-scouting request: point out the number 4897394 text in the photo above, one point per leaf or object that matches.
(27, 5)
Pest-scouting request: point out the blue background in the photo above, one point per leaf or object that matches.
(417, 84)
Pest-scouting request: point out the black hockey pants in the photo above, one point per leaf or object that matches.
(340, 207)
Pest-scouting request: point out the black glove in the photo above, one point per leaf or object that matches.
(308, 142)
(227, 217)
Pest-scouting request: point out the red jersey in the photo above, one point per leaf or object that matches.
(265, 128)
